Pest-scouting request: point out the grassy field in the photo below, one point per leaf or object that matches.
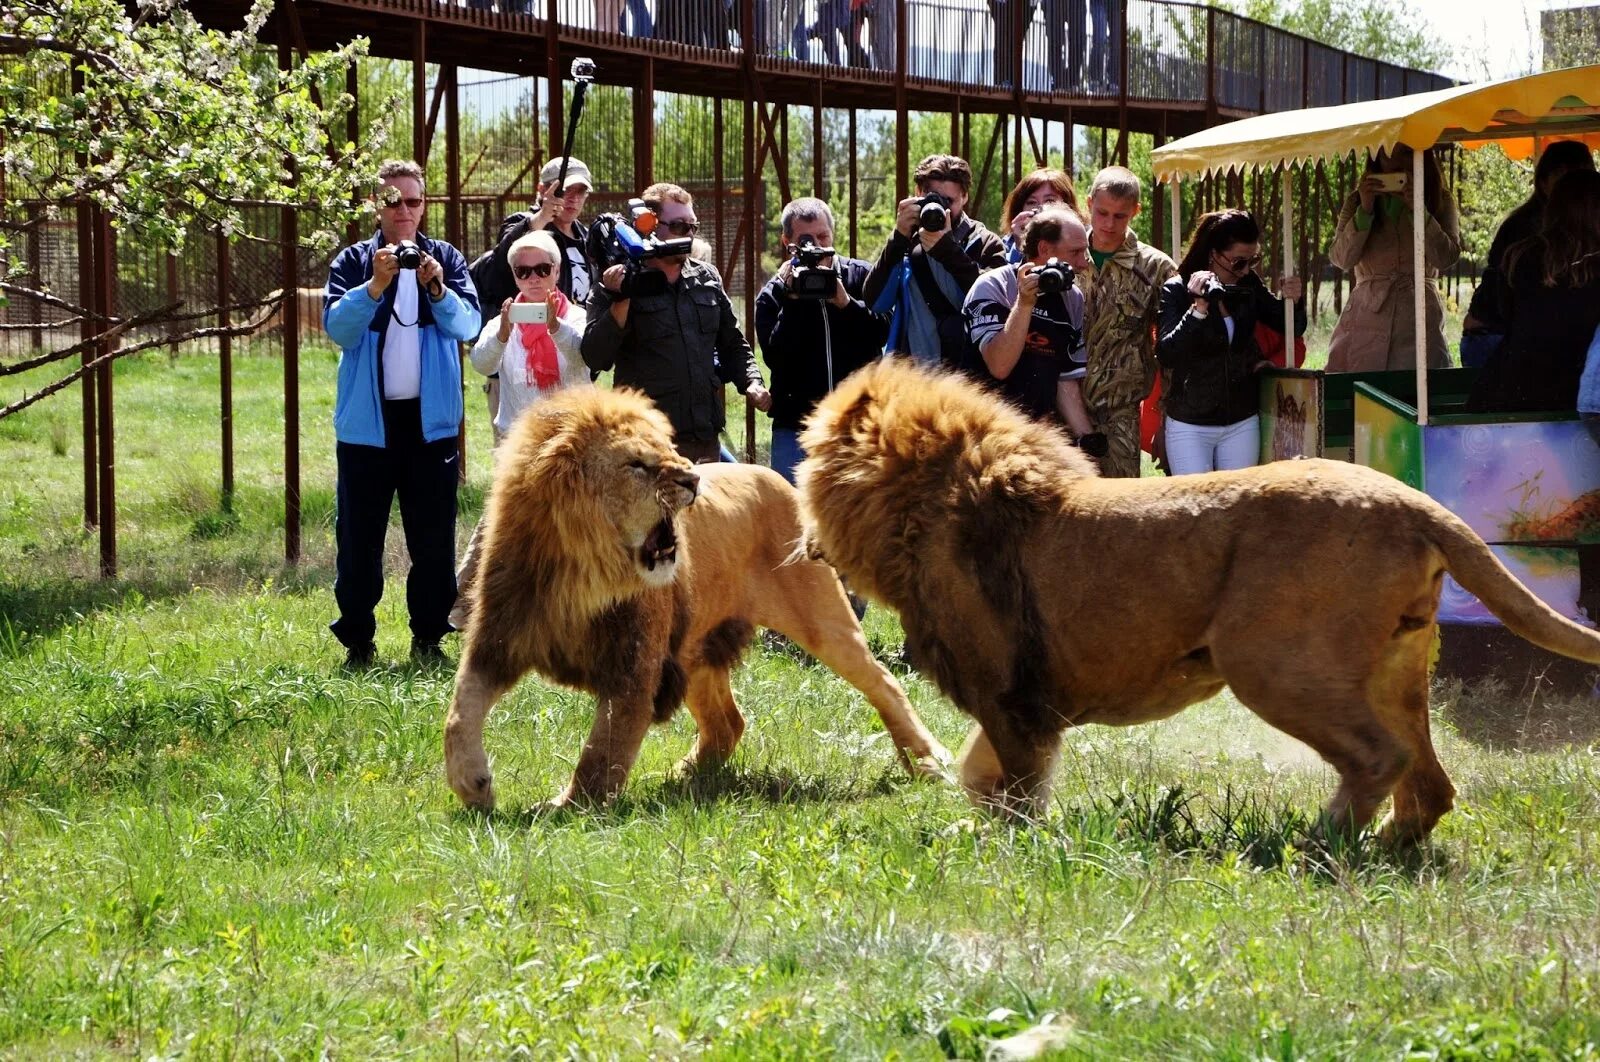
(214, 843)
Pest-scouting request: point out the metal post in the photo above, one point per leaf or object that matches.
(852, 189)
(1419, 224)
(1288, 264)
(419, 93)
(453, 226)
(1176, 192)
(644, 126)
(89, 299)
(818, 187)
(718, 148)
(225, 363)
(902, 145)
(552, 55)
(106, 264)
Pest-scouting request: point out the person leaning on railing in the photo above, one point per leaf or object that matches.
(1373, 240)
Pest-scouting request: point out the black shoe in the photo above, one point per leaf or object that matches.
(428, 654)
(360, 657)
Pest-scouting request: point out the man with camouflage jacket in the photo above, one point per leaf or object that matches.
(1122, 296)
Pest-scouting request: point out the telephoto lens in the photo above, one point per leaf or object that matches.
(934, 212)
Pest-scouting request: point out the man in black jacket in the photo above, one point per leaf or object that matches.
(944, 261)
(811, 343)
(679, 346)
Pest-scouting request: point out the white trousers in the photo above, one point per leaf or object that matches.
(1195, 448)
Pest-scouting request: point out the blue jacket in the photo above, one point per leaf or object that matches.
(358, 323)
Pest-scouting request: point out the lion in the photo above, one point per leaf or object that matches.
(1039, 596)
(599, 573)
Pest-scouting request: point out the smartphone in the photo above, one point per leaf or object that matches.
(1391, 182)
(529, 312)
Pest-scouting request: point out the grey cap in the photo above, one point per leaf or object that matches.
(577, 172)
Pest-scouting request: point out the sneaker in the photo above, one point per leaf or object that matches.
(360, 657)
(428, 654)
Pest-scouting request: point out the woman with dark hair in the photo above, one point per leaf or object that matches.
(1032, 194)
(1373, 241)
(1484, 328)
(1551, 306)
(1207, 343)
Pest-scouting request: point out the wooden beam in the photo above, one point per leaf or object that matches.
(419, 92)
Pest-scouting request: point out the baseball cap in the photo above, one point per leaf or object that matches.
(577, 172)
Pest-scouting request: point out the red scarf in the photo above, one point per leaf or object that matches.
(544, 364)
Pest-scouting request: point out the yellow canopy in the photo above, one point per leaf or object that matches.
(1556, 105)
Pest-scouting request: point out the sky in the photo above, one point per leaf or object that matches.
(1491, 38)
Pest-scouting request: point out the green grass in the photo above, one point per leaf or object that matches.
(214, 843)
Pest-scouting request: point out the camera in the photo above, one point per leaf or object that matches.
(632, 240)
(933, 212)
(529, 313)
(810, 279)
(1230, 294)
(1393, 183)
(407, 255)
(1055, 276)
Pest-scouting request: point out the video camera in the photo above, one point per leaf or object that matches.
(933, 212)
(632, 241)
(1230, 295)
(810, 279)
(1055, 276)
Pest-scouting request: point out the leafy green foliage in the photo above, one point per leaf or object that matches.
(177, 122)
(1377, 29)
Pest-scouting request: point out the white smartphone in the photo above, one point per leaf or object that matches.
(1391, 182)
(530, 312)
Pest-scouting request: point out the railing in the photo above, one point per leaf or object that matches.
(1067, 47)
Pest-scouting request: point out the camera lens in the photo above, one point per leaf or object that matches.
(407, 255)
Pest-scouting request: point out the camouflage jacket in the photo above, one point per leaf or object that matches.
(1121, 301)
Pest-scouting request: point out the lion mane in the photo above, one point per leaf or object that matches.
(612, 565)
(1039, 596)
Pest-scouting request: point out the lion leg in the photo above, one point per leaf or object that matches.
(829, 631)
(981, 775)
(620, 724)
(1009, 768)
(1424, 792)
(718, 722)
(465, 762)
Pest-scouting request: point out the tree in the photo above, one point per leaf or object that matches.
(167, 127)
(1377, 29)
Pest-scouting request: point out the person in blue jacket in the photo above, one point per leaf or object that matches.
(397, 304)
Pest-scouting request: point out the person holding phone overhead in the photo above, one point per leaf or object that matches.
(533, 344)
(1374, 241)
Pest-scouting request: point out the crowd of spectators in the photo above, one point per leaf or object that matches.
(1066, 314)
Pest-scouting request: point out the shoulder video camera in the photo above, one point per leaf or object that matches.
(633, 239)
(407, 255)
(1055, 276)
(810, 279)
(933, 212)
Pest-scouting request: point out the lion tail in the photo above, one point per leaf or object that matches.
(1478, 570)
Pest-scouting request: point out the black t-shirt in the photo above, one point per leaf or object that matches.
(1053, 348)
(577, 272)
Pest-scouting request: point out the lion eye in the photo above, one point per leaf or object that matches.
(638, 466)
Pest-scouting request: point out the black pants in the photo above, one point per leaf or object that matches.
(424, 475)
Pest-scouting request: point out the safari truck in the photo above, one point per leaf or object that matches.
(1528, 483)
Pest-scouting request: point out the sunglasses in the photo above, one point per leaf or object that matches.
(414, 204)
(1241, 265)
(681, 228)
(523, 272)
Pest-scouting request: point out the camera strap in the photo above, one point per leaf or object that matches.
(938, 303)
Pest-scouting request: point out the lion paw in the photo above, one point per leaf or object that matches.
(475, 788)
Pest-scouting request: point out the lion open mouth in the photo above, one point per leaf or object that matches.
(660, 546)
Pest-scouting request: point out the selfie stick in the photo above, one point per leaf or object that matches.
(582, 75)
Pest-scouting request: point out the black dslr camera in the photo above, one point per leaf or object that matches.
(933, 212)
(407, 255)
(632, 239)
(1055, 276)
(810, 279)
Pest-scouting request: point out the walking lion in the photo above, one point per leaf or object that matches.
(1040, 596)
(599, 573)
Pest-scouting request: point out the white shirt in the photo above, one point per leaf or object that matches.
(402, 350)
